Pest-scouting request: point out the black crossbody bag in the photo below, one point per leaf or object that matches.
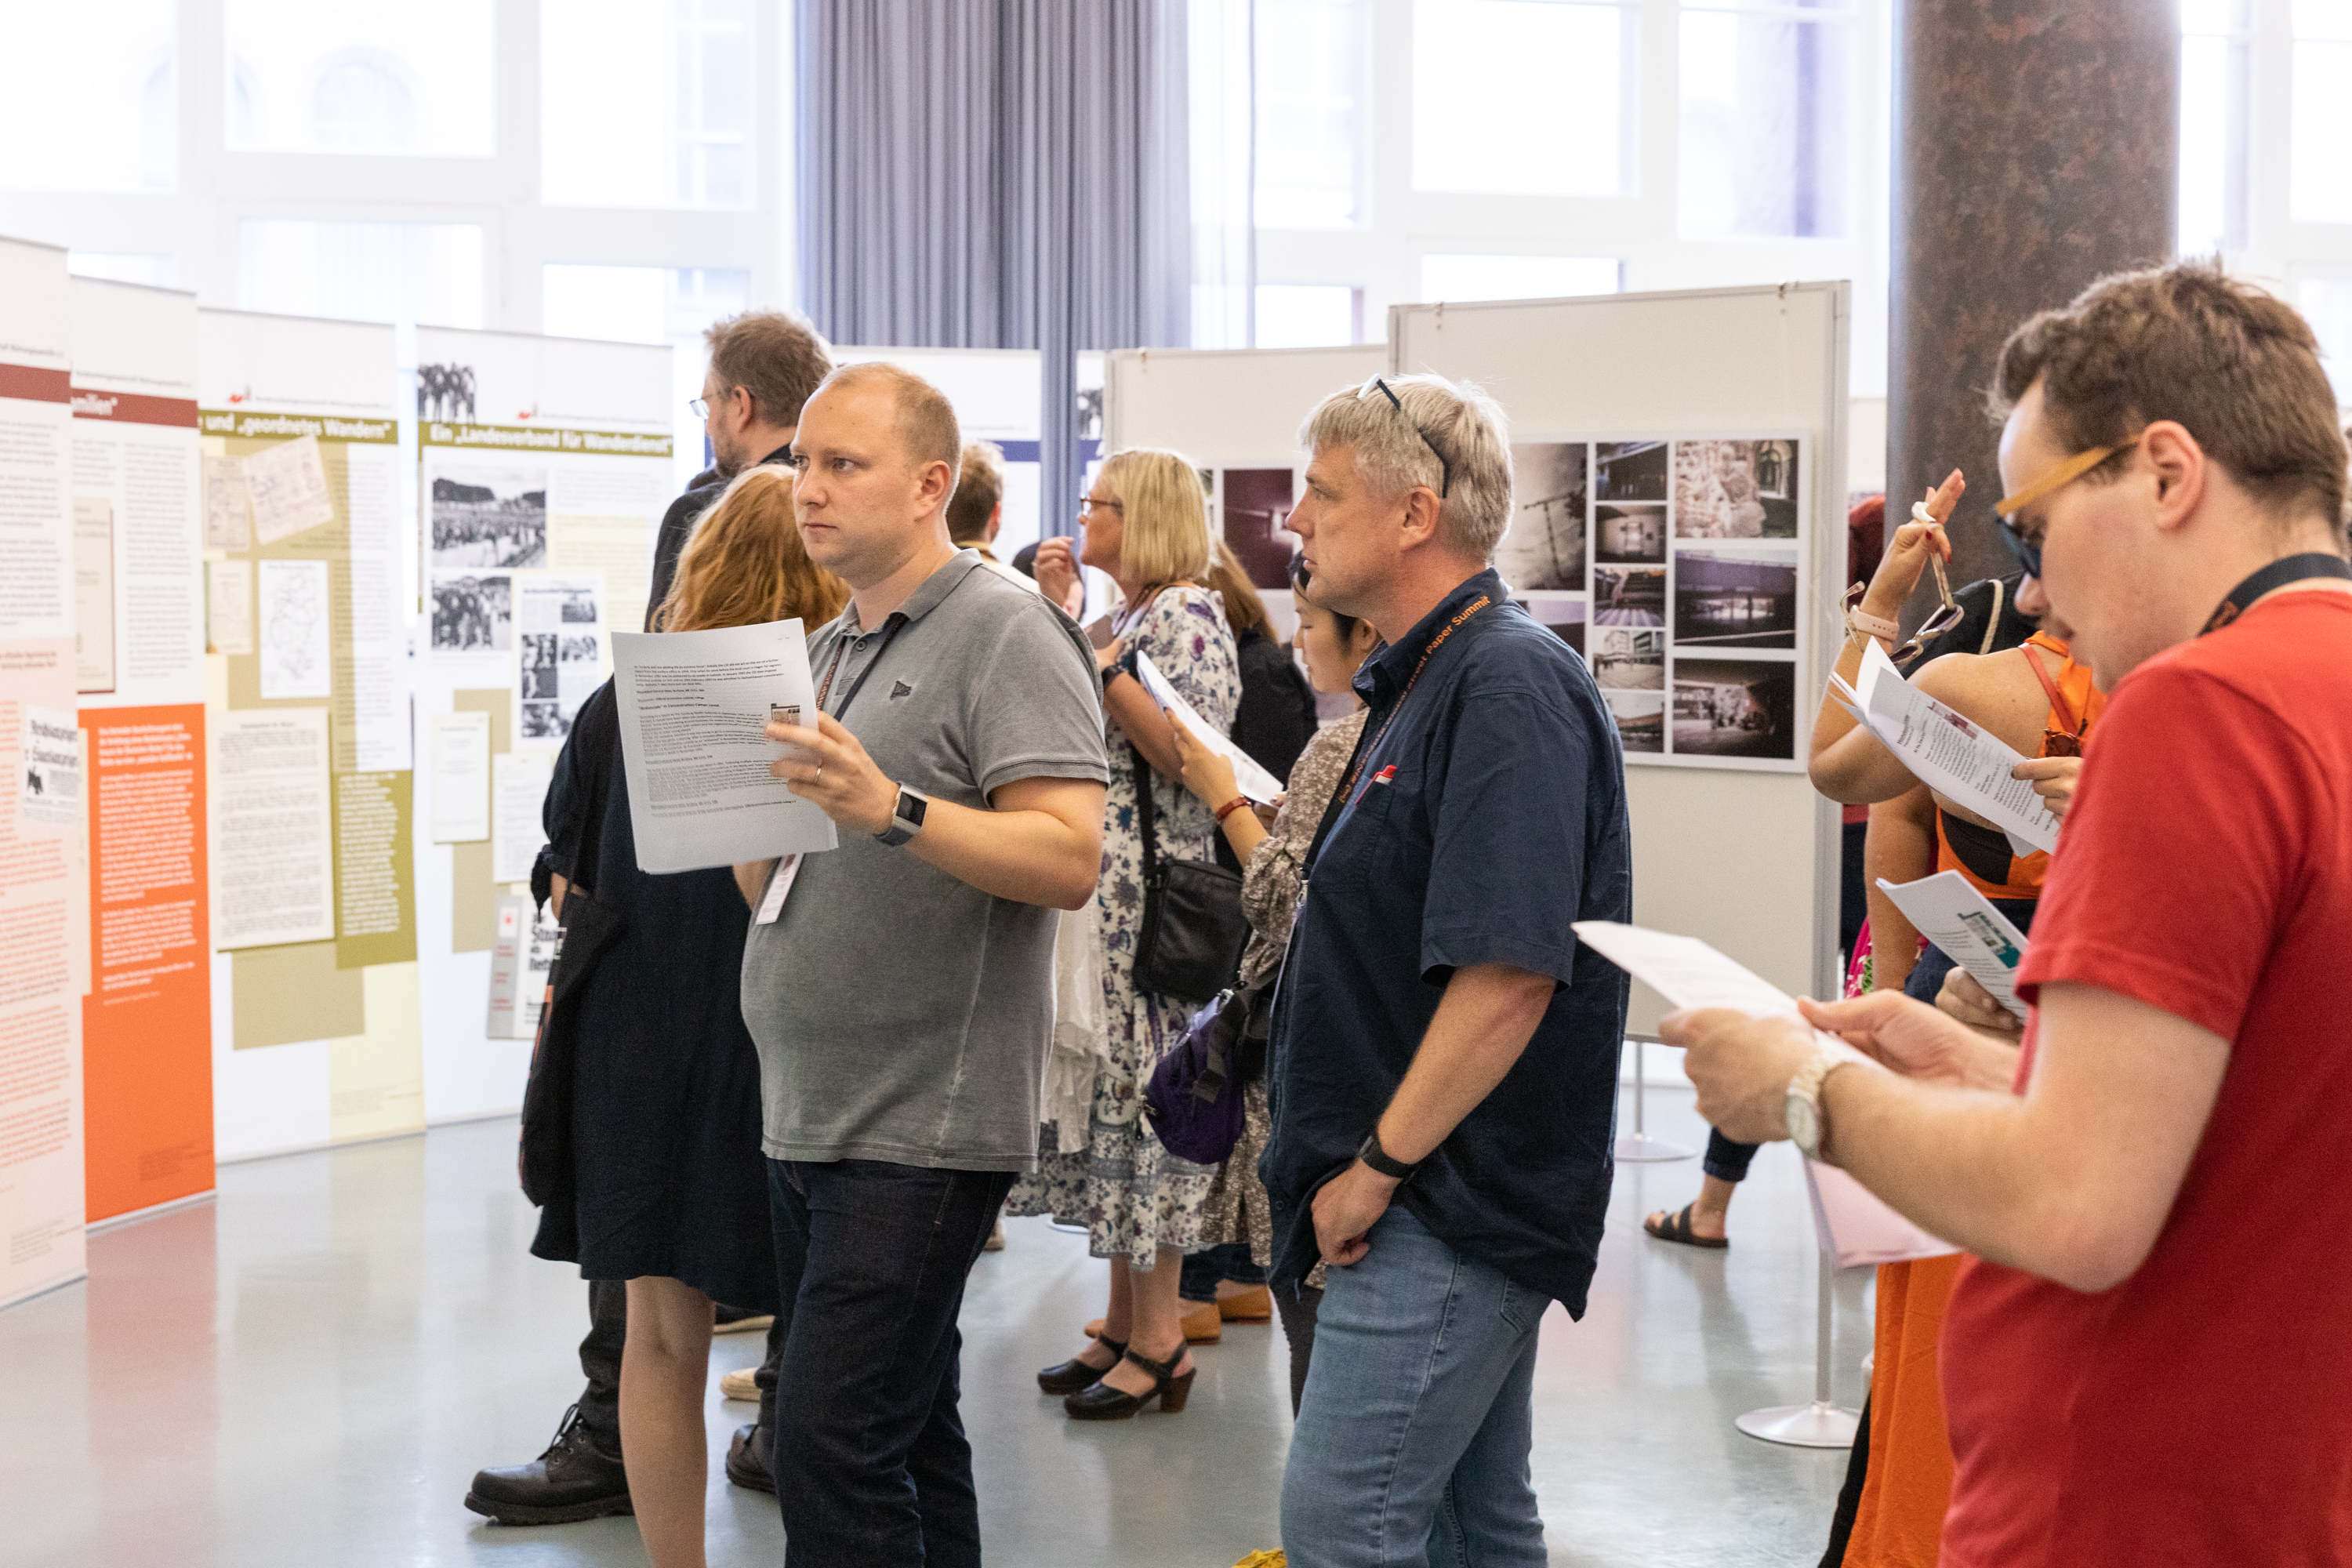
(1193, 928)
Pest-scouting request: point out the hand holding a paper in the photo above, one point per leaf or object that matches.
(1915, 1040)
(1963, 997)
(834, 773)
(2052, 779)
(1742, 1064)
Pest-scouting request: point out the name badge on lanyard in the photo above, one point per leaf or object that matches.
(780, 885)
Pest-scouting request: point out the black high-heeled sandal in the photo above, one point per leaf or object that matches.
(1103, 1402)
(1074, 1374)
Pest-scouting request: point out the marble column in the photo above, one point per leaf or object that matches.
(2036, 149)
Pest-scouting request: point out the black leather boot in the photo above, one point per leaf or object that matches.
(747, 1462)
(574, 1479)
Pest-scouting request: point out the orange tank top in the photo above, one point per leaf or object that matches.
(1983, 854)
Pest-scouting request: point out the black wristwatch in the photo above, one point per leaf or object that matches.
(906, 817)
(1372, 1154)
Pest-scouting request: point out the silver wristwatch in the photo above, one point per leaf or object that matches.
(906, 817)
(1808, 1124)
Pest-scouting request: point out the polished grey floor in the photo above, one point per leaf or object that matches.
(310, 1370)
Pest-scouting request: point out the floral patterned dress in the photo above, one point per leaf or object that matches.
(1130, 1193)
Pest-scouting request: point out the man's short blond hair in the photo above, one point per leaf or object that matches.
(979, 489)
(1398, 445)
(925, 419)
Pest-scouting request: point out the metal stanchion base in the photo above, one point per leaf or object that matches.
(1815, 1426)
(1638, 1147)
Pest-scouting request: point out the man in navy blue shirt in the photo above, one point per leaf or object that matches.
(1444, 1056)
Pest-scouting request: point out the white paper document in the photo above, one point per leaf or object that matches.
(51, 758)
(225, 508)
(297, 649)
(1953, 915)
(274, 880)
(286, 485)
(1948, 752)
(518, 789)
(1249, 777)
(459, 744)
(1851, 1225)
(228, 606)
(694, 713)
(521, 957)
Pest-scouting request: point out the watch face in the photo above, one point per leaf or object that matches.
(1805, 1124)
(911, 807)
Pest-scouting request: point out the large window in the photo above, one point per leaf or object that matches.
(2320, 188)
(650, 305)
(646, 103)
(1767, 120)
(414, 80)
(415, 274)
(1315, 65)
(2216, 91)
(88, 98)
(1523, 97)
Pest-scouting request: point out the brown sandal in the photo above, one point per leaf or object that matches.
(1677, 1228)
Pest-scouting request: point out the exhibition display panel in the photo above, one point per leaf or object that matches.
(996, 394)
(544, 468)
(139, 577)
(44, 913)
(315, 1028)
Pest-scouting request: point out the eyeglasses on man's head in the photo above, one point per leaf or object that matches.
(1444, 468)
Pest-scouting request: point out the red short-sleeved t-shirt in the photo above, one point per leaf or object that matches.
(2202, 1411)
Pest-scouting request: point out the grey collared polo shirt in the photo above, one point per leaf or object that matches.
(900, 1013)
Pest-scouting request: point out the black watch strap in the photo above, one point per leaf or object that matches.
(1372, 1154)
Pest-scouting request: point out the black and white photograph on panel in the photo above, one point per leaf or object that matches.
(1641, 718)
(1736, 596)
(1629, 595)
(1562, 615)
(1626, 659)
(473, 611)
(1735, 490)
(1735, 708)
(1543, 547)
(1632, 531)
(1630, 470)
(1252, 504)
(560, 671)
(490, 517)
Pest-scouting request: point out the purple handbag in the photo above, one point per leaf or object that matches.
(1195, 1097)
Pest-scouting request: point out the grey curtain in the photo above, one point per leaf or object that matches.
(997, 173)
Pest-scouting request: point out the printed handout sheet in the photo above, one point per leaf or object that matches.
(1948, 752)
(1854, 1226)
(693, 710)
(1953, 915)
(1249, 776)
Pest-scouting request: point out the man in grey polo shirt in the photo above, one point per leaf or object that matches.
(901, 996)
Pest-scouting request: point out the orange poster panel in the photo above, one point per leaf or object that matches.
(147, 1068)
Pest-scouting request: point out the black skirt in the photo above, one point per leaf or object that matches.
(668, 1178)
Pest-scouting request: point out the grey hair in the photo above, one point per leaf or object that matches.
(1459, 420)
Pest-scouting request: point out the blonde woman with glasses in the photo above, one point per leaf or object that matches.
(1147, 524)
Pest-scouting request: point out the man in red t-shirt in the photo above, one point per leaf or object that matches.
(2146, 1360)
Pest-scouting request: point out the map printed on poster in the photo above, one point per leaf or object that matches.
(1674, 566)
(297, 644)
(286, 485)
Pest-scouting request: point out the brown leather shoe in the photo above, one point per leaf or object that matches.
(1255, 1305)
(747, 1462)
(1204, 1324)
(572, 1480)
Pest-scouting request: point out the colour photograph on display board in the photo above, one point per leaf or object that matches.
(1252, 508)
(1675, 566)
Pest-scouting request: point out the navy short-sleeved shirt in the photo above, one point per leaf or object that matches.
(1486, 819)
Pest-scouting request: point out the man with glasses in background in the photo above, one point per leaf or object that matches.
(1442, 1070)
(2138, 1368)
(764, 366)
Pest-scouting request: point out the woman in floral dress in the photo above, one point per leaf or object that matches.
(1147, 524)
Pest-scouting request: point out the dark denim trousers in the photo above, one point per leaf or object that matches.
(871, 1467)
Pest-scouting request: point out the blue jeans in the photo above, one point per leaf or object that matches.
(1412, 1441)
(871, 1464)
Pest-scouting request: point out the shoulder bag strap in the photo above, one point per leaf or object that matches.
(1147, 828)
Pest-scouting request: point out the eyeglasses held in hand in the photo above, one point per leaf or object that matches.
(1444, 468)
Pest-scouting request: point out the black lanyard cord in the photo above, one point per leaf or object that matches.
(2277, 574)
(890, 629)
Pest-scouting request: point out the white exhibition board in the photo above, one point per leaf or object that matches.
(315, 1036)
(42, 819)
(997, 396)
(1235, 413)
(544, 470)
(1741, 854)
